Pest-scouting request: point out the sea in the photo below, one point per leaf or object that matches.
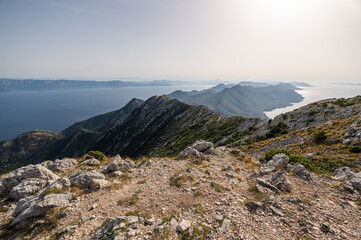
(55, 110)
(319, 92)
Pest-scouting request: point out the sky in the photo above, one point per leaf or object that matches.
(308, 40)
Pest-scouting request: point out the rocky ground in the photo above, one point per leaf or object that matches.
(207, 194)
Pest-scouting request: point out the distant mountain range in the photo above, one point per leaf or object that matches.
(7, 84)
(249, 99)
(36, 85)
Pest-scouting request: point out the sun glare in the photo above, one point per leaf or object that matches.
(282, 11)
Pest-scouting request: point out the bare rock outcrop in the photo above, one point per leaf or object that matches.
(300, 171)
(198, 150)
(277, 162)
(63, 164)
(27, 187)
(90, 180)
(31, 171)
(38, 206)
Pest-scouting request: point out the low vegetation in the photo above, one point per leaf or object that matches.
(96, 154)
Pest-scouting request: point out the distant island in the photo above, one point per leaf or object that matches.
(42, 85)
(249, 99)
(7, 84)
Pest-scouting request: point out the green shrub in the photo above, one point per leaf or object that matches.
(310, 120)
(319, 137)
(344, 103)
(178, 181)
(355, 149)
(218, 187)
(96, 154)
(277, 130)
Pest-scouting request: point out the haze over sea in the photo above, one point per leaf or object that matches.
(57, 109)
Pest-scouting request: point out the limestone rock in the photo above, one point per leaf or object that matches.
(278, 161)
(265, 187)
(115, 174)
(29, 171)
(356, 181)
(63, 164)
(27, 187)
(344, 173)
(191, 152)
(39, 207)
(225, 226)
(202, 145)
(183, 226)
(279, 180)
(59, 184)
(90, 180)
(301, 171)
(92, 162)
(111, 229)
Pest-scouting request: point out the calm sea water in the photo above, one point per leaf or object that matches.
(319, 92)
(56, 110)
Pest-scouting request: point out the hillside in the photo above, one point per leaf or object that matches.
(158, 126)
(290, 178)
(162, 127)
(242, 100)
(225, 194)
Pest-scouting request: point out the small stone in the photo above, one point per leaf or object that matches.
(325, 227)
(183, 226)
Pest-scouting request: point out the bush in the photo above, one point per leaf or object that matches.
(218, 187)
(96, 154)
(319, 137)
(277, 130)
(355, 149)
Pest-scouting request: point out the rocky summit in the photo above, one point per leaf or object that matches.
(199, 176)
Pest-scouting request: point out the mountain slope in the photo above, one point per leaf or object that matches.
(101, 122)
(240, 100)
(163, 127)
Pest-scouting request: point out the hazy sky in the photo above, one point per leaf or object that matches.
(181, 39)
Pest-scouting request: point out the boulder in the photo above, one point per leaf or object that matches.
(183, 226)
(115, 174)
(59, 184)
(279, 180)
(145, 164)
(191, 152)
(92, 162)
(344, 173)
(39, 207)
(198, 149)
(225, 226)
(126, 165)
(114, 227)
(89, 180)
(118, 165)
(278, 161)
(300, 171)
(265, 187)
(63, 164)
(356, 181)
(29, 171)
(27, 187)
(202, 145)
